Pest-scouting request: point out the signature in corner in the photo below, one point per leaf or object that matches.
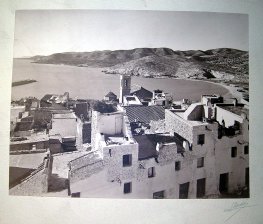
(236, 207)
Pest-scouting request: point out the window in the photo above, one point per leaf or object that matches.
(183, 190)
(177, 165)
(201, 139)
(127, 160)
(234, 152)
(158, 195)
(127, 188)
(200, 162)
(75, 195)
(246, 149)
(151, 172)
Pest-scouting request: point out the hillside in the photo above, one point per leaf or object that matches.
(222, 64)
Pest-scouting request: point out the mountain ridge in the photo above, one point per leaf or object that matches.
(227, 64)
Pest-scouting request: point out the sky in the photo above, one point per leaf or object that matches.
(44, 32)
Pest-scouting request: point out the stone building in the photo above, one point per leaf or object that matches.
(217, 136)
(64, 128)
(144, 95)
(30, 173)
(202, 154)
(55, 101)
(110, 96)
(30, 165)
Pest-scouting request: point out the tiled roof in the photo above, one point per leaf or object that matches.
(142, 93)
(46, 97)
(144, 114)
(111, 94)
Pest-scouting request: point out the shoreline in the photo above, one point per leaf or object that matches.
(230, 91)
(23, 82)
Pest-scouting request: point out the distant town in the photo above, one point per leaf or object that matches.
(143, 144)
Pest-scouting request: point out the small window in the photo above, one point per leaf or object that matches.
(177, 165)
(158, 195)
(246, 149)
(201, 139)
(200, 162)
(234, 152)
(127, 160)
(127, 188)
(151, 172)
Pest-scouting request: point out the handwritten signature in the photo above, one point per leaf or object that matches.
(236, 207)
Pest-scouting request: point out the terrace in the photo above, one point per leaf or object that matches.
(118, 139)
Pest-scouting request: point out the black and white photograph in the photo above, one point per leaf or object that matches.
(130, 104)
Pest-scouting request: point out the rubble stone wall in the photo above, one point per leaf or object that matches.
(174, 123)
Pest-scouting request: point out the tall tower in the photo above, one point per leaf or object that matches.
(125, 86)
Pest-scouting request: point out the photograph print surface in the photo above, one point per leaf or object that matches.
(130, 104)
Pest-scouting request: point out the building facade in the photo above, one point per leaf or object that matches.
(195, 158)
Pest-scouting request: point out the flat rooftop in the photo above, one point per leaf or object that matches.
(70, 115)
(22, 165)
(235, 109)
(27, 160)
(60, 162)
(116, 139)
(29, 139)
(13, 107)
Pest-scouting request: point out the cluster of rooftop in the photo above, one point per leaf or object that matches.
(148, 146)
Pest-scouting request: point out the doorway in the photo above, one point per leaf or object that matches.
(183, 190)
(200, 185)
(223, 183)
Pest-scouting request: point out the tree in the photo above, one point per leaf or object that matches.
(103, 107)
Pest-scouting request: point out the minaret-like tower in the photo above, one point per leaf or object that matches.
(125, 86)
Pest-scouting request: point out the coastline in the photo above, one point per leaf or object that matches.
(227, 91)
(23, 82)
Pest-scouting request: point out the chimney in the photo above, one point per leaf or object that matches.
(235, 102)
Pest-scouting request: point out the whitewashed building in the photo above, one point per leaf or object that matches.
(204, 153)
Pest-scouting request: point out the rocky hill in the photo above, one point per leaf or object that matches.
(223, 64)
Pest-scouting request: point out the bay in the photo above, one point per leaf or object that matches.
(91, 83)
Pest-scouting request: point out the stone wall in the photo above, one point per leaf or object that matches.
(111, 176)
(167, 153)
(83, 160)
(173, 123)
(85, 171)
(156, 127)
(36, 183)
(55, 147)
(114, 163)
